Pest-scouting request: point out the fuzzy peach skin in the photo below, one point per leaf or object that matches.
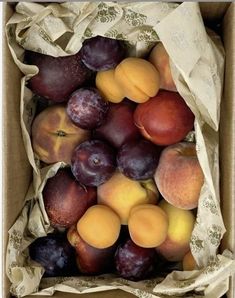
(121, 194)
(148, 225)
(181, 223)
(179, 176)
(54, 136)
(138, 79)
(160, 59)
(189, 262)
(108, 86)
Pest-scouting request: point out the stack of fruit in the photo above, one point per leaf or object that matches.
(126, 198)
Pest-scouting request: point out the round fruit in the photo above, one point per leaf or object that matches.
(86, 108)
(119, 126)
(102, 53)
(138, 159)
(57, 77)
(65, 199)
(134, 262)
(93, 162)
(54, 253)
(99, 226)
(164, 119)
(54, 136)
(148, 225)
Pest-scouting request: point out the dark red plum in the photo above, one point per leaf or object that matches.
(138, 159)
(86, 108)
(66, 200)
(133, 262)
(93, 162)
(118, 126)
(58, 77)
(102, 53)
(54, 253)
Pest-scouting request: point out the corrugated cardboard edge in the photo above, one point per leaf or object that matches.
(17, 172)
(227, 138)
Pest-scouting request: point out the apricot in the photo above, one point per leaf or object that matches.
(189, 262)
(121, 194)
(148, 225)
(181, 223)
(54, 136)
(138, 79)
(160, 59)
(179, 176)
(108, 86)
(99, 226)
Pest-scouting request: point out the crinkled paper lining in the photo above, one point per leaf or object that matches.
(197, 63)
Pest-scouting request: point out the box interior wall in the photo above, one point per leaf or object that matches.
(18, 173)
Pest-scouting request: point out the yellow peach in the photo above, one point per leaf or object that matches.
(122, 194)
(181, 223)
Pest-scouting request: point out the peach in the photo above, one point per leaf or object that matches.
(138, 79)
(181, 223)
(122, 194)
(189, 262)
(160, 59)
(108, 86)
(148, 225)
(54, 136)
(99, 226)
(164, 119)
(179, 176)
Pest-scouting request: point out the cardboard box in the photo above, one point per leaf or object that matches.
(18, 174)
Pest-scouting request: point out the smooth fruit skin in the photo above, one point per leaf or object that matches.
(134, 262)
(148, 225)
(91, 260)
(179, 176)
(86, 108)
(65, 199)
(181, 224)
(102, 53)
(164, 119)
(189, 262)
(138, 79)
(99, 226)
(57, 77)
(54, 136)
(138, 160)
(160, 59)
(54, 253)
(118, 127)
(93, 162)
(108, 87)
(121, 194)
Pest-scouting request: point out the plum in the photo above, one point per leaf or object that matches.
(54, 253)
(119, 127)
(58, 77)
(138, 159)
(86, 108)
(102, 53)
(133, 262)
(93, 162)
(66, 200)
